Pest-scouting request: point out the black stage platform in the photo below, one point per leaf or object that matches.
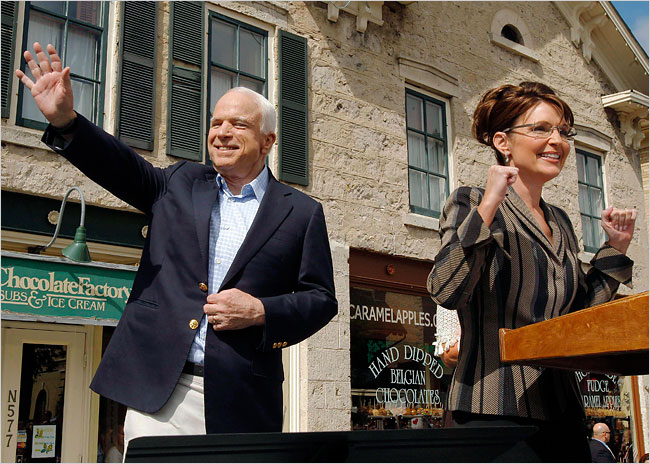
(490, 444)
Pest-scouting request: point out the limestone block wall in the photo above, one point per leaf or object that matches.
(357, 117)
(325, 396)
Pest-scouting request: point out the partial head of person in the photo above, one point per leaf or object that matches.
(242, 133)
(627, 436)
(601, 432)
(528, 126)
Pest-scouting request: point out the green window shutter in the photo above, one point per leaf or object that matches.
(9, 10)
(185, 136)
(187, 32)
(293, 152)
(138, 68)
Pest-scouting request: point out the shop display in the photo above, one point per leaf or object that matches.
(397, 381)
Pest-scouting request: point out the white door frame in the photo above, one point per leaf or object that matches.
(76, 418)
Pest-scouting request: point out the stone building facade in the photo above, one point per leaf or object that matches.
(364, 58)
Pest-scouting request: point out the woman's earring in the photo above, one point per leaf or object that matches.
(507, 158)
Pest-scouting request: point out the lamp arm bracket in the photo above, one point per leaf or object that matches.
(60, 220)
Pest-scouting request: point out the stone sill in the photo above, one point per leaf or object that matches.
(280, 6)
(23, 136)
(423, 222)
(31, 138)
(514, 47)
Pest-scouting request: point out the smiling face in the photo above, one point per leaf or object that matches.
(538, 159)
(236, 144)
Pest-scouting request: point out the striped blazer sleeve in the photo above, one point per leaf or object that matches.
(606, 271)
(466, 242)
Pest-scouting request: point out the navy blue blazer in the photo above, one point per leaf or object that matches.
(285, 261)
(600, 452)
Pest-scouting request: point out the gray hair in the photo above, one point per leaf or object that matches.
(266, 107)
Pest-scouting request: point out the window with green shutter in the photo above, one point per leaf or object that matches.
(78, 32)
(237, 56)
(185, 134)
(137, 83)
(293, 137)
(7, 41)
(426, 131)
(590, 199)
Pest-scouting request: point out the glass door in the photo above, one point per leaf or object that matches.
(42, 396)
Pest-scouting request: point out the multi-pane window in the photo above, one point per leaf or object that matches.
(427, 153)
(590, 181)
(237, 57)
(77, 31)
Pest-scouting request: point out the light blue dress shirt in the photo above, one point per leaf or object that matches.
(230, 219)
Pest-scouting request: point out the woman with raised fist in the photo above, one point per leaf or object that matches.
(509, 259)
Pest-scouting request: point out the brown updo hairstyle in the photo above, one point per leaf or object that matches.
(499, 108)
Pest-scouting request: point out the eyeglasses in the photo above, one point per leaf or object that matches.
(543, 130)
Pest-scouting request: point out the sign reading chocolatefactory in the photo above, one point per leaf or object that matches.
(392, 350)
(52, 287)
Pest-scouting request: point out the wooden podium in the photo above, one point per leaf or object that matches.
(610, 338)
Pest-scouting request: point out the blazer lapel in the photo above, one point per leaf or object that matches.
(204, 194)
(553, 222)
(273, 210)
(517, 205)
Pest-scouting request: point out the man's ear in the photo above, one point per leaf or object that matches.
(269, 140)
(501, 142)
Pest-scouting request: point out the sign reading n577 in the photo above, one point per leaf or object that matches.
(53, 288)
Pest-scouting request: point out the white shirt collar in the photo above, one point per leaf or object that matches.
(255, 187)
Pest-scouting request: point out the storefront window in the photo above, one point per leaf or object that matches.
(397, 382)
(40, 414)
(606, 399)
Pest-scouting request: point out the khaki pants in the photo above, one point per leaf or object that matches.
(183, 414)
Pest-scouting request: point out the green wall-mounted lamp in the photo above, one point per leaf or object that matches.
(78, 249)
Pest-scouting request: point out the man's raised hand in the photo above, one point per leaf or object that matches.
(51, 88)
